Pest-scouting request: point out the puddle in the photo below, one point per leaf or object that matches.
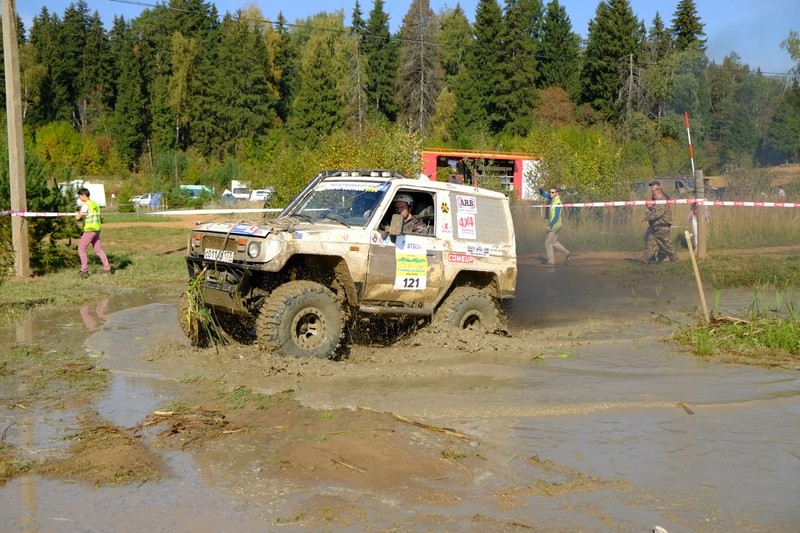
(592, 388)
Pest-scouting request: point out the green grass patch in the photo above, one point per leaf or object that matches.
(768, 336)
(142, 257)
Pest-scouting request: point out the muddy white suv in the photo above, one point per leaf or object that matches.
(337, 256)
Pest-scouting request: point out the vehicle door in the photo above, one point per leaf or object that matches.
(406, 268)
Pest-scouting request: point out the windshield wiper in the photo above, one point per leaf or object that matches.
(336, 218)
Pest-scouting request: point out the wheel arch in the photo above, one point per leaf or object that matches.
(485, 281)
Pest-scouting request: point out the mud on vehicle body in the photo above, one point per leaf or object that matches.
(336, 256)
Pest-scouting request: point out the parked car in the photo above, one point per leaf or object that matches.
(148, 200)
(261, 195)
(241, 193)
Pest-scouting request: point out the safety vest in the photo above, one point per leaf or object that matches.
(555, 213)
(92, 219)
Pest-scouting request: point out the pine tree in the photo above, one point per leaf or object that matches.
(286, 60)
(559, 55)
(687, 30)
(477, 103)
(784, 132)
(95, 90)
(381, 63)
(129, 119)
(455, 36)
(244, 92)
(517, 96)
(419, 77)
(317, 109)
(614, 43)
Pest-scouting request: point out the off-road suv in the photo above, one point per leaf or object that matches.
(337, 256)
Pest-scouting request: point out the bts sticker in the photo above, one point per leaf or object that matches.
(411, 263)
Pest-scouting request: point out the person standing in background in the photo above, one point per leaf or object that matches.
(90, 214)
(659, 219)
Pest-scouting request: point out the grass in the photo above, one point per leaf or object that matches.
(769, 334)
(621, 229)
(143, 257)
(51, 376)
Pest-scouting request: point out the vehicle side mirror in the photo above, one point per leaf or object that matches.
(396, 225)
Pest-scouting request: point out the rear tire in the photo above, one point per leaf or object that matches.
(301, 319)
(469, 308)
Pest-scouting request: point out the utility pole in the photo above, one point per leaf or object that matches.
(16, 146)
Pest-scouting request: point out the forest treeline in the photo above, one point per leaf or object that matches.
(182, 94)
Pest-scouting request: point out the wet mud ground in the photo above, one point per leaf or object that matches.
(584, 418)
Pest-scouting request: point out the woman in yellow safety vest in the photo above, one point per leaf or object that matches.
(90, 213)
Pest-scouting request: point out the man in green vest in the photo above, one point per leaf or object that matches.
(554, 223)
(90, 213)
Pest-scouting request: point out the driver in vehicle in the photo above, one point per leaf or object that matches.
(403, 203)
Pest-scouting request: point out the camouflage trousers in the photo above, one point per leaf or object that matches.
(658, 238)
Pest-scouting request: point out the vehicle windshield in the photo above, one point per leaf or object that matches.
(348, 203)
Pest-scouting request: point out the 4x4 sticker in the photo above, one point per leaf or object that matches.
(411, 270)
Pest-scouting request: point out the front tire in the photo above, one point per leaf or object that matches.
(192, 323)
(301, 319)
(469, 308)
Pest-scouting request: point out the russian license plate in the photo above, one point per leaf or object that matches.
(226, 256)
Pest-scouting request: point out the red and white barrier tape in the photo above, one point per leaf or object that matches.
(698, 201)
(35, 214)
(618, 203)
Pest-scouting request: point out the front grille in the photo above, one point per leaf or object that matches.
(217, 243)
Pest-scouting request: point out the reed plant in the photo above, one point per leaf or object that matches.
(768, 335)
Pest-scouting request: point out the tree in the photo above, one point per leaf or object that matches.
(318, 106)
(245, 89)
(356, 90)
(614, 41)
(419, 77)
(477, 105)
(129, 119)
(559, 51)
(784, 133)
(381, 62)
(687, 30)
(455, 36)
(520, 33)
(792, 45)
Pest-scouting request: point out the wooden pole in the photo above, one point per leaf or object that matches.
(697, 277)
(16, 146)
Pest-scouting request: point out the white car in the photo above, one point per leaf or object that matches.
(142, 201)
(261, 195)
(241, 193)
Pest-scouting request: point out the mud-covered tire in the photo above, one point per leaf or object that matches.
(301, 319)
(240, 329)
(468, 308)
(191, 324)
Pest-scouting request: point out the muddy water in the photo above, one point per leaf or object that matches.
(587, 382)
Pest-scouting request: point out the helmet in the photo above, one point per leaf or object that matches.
(403, 197)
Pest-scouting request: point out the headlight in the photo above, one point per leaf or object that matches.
(253, 249)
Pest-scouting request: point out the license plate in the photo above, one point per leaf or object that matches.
(226, 256)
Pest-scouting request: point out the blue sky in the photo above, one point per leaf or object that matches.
(753, 29)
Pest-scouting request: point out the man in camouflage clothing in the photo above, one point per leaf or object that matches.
(659, 217)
